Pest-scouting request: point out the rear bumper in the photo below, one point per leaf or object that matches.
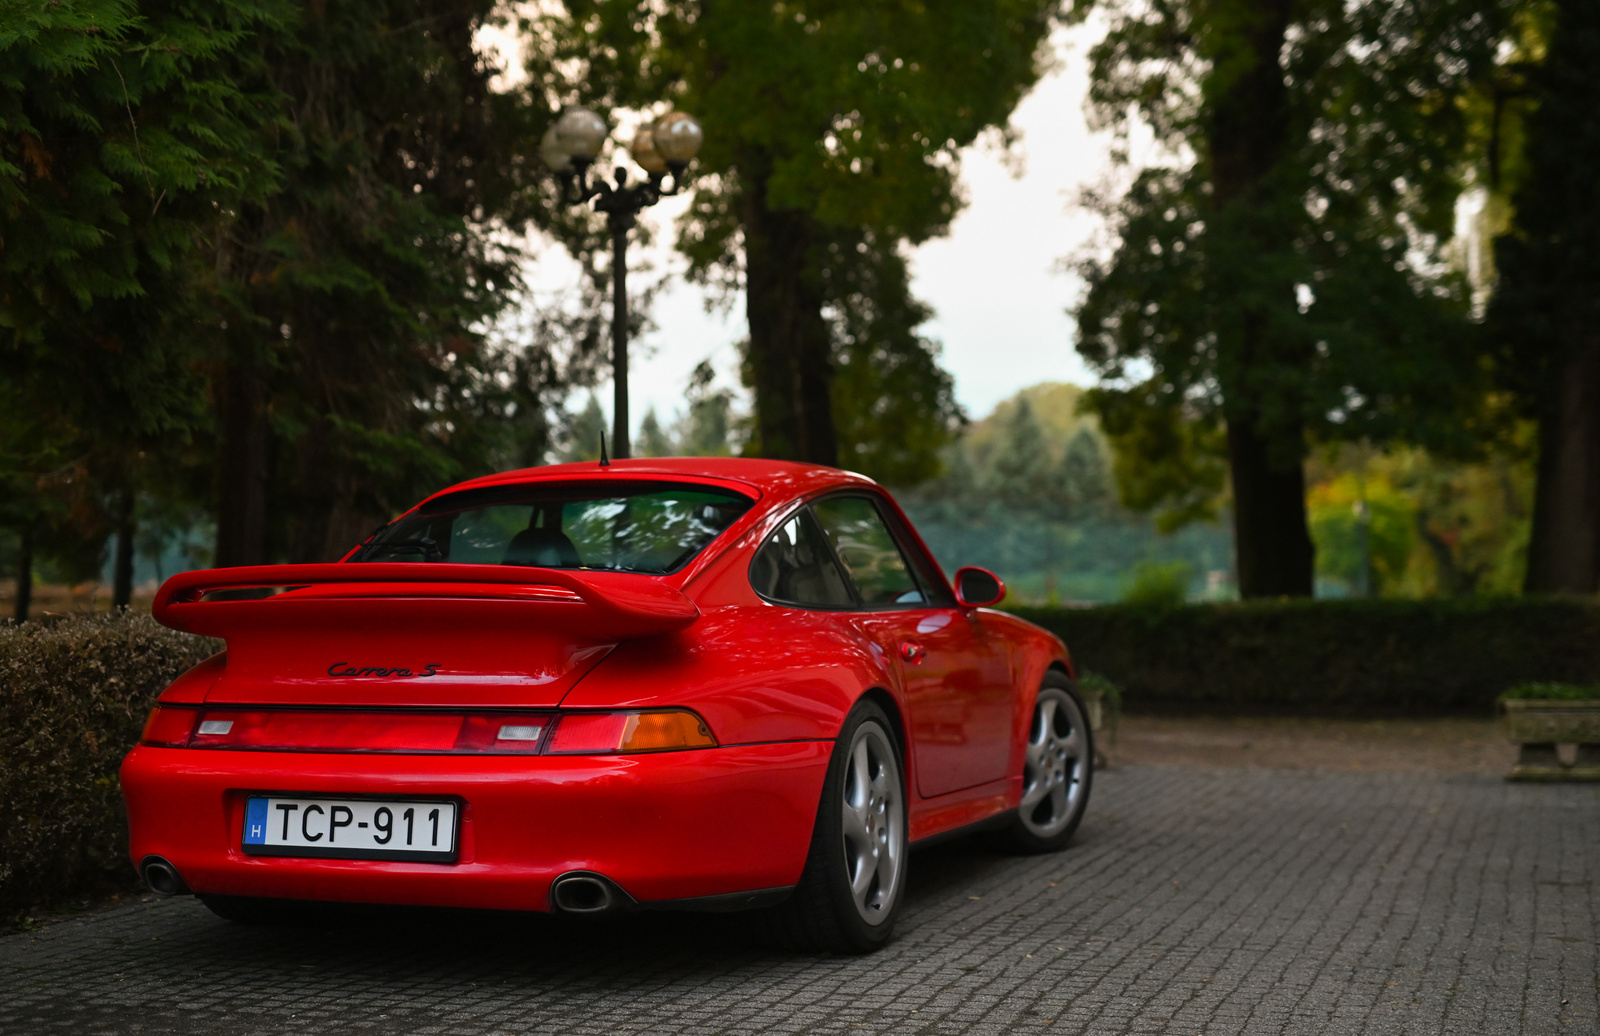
(666, 826)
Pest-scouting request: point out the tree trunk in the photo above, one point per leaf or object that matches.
(790, 355)
(242, 481)
(24, 599)
(1564, 549)
(1248, 135)
(1271, 545)
(310, 497)
(122, 567)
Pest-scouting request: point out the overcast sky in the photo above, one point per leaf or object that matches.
(996, 283)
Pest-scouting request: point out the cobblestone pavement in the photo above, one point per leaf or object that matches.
(1194, 901)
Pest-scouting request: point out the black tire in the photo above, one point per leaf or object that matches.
(1057, 770)
(825, 913)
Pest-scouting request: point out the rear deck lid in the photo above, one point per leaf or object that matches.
(405, 634)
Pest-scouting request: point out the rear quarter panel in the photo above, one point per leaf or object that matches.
(755, 673)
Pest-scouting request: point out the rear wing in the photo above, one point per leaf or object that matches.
(598, 606)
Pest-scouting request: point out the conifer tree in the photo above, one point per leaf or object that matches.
(653, 439)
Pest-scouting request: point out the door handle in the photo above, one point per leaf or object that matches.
(912, 652)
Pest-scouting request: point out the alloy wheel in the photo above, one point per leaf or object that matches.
(874, 823)
(1055, 765)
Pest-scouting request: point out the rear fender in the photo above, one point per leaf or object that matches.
(755, 673)
(192, 687)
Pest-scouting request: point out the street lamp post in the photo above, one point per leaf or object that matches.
(665, 146)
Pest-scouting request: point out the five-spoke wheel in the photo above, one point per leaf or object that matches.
(1057, 767)
(852, 885)
(873, 821)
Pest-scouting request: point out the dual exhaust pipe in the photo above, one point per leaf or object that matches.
(576, 892)
(162, 877)
(585, 892)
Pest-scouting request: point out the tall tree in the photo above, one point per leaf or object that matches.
(1083, 480)
(832, 132)
(1277, 280)
(352, 371)
(1545, 312)
(124, 130)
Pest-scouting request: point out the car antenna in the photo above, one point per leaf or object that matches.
(605, 462)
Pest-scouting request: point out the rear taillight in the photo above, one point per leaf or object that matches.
(330, 730)
(422, 732)
(169, 726)
(504, 734)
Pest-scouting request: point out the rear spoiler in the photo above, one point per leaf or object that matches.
(597, 606)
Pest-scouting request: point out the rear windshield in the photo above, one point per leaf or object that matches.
(650, 527)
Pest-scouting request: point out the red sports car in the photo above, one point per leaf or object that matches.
(685, 684)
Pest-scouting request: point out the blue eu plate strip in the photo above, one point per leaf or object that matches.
(255, 822)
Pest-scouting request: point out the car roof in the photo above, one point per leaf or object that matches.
(781, 479)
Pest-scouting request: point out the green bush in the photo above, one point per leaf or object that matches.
(1449, 656)
(1092, 682)
(1552, 692)
(1159, 584)
(73, 698)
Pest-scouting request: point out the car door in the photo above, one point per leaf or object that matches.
(954, 673)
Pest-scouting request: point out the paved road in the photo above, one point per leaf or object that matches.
(1194, 901)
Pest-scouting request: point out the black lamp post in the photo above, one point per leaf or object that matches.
(665, 146)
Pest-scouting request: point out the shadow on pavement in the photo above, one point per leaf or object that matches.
(318, 944)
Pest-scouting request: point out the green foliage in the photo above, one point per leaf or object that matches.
(1332, 658)
(1093, 683)
(1543, 312)
(1282, 274)
(653, 439)
(893, 406)
(1355, 523)
(583, 432)
(832, 131)
(1083, 479)
(1551, 692)
(124, 130)
(73, 697)
(1545, 303)
(1026, 493)
(1439, 526)
(707, 429)
(252, 241)
(354, 302)
(1158, 584)
(120, 127)
(1165, 461)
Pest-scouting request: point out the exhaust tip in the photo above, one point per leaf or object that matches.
(162, 877)
(582, 892)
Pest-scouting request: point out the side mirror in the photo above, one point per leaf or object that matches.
(978, 587)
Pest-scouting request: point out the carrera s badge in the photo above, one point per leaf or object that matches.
(346, 669)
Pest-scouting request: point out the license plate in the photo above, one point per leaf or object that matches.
(351, 829)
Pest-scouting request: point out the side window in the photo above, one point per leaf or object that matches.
(795, 566)
(868, 550)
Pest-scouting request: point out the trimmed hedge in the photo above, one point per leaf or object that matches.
(1451, 656)
(73, 698)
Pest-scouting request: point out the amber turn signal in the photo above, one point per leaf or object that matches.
(603, 732)
(655, 731)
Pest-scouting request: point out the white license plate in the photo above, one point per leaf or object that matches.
(351, 829)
